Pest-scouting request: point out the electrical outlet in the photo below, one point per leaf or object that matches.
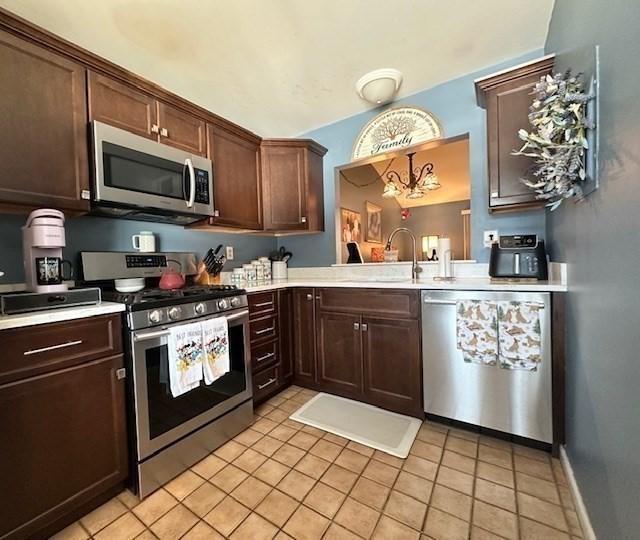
(229, 253)
(490, 237)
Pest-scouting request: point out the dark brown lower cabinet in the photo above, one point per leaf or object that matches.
(304, 336)
(285, 331)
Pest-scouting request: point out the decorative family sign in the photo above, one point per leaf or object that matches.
(395, 129)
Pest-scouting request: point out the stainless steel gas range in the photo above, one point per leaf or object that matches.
(169, 434)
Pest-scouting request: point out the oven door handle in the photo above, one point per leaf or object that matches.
(150, 335)
(235, 316)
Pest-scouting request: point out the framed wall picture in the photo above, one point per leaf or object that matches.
(350, 225)
(373, 232)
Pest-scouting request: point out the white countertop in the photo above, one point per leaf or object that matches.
(58, 315)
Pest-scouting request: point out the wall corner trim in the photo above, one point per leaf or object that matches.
(581, 508)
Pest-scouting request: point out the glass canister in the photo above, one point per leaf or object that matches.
(259, 270)
(266, 267)
(249, 272)
(237, 276)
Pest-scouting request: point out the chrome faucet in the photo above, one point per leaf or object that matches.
(415, 268)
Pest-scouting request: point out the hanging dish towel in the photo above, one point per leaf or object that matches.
(477, 331)
(185, 358)
(520, 335)
(215, 334)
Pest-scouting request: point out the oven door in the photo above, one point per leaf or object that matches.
(136, 172)
(162, 419)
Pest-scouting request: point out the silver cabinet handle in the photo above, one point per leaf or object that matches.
(268, 383)
(150, 335)
(155, 128)
(365, 327)
(264, 331)
(309, 297)
(216, 213)
(356, 326)
(52, 347)
(121, 373)
(303, 219)
(265, 356)
(262, 304)
(164, 132)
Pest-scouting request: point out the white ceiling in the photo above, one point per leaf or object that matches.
(283, 67)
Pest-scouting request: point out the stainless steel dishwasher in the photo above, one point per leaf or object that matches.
(512, 401)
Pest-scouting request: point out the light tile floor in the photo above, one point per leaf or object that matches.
(281, 479)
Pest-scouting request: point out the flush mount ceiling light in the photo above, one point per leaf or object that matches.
(379, 86)
(416, 181)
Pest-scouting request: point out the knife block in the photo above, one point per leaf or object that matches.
(204, 278)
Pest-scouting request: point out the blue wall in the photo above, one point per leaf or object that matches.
(104, 234)
(454, 104)
(600, 239)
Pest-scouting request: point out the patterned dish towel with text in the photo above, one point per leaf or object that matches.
(520, 335)
(215, 333)
(477, 331)
(185, 358)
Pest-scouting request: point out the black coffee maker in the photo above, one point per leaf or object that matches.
(517, 257)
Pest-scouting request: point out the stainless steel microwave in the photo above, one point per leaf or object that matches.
(137, 178)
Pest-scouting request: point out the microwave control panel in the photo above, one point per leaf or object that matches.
(202, 186)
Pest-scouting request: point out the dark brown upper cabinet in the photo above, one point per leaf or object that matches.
(236, 173)
(293, 195)
(43, 117)
(182, 130)
(507, 97)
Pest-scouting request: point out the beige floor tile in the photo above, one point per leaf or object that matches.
(495, 456)
(227, 516)
(337, 439)
(277, 507)
(565, 497)
(495, 494)
(72, 532)
(299, 399)
(495, 474)
(388, 529)
(480, 534)
(288, 455)
(202, 531)
(388, 459)
(184, 484)
(558, 472)
(305, 524)
(442, 526)
(533, 467)
(496, 443)
(229, 478)
(254, 528)
(148, 535)
(292, 424)
(495, 519)
(462, 446)
(542, 511)
(282, 433)
(251, 492)
(262, 410)
(103, 515)
(326, 450)
(209, 466)
(271, 472)
(324, 499)
(360, 448)
(174, 523)
(340, 478)
(574, 523)
(336, 532)
(415, 486)
(155, 506)
(230, 451)
(357, 517)
(532, 453)
(426, 450)
(296, 484)
(126, 527)
(276, 400)
(277, 415)
(453, 460)
(314, 431)
(451, 501)
(531, 530)
(289, 407)
(267, 445)
(370, 493)
(432, 436)
(312, 466)
(303, 440)
(455, 480)
(380, 472)
(204, 499)
(420, 467)
(464, 434)
(249, 460)
(352, 460)
(129, 499)
(537, 487)
(406, 509)
(248, 437)
(264, 425)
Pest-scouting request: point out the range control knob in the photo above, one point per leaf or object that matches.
(223, 304)
(200, 308)
(174, 313)
(235, 301)
(155, 316)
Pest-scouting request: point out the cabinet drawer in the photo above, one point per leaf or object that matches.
(265, 382)
(34, 350)
(391, 303)
(264, 355)
(263, 329)
(262, 304)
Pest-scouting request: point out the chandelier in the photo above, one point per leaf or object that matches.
(418, 182)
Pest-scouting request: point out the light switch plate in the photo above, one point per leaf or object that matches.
(490, 237)
(229, 253)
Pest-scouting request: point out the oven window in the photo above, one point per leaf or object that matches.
(135, 171)
(167, 412)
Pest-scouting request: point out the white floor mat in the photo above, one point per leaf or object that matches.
(383, 430)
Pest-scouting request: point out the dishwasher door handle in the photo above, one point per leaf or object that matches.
(440, 302)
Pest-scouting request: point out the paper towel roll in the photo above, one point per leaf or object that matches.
(444, 257)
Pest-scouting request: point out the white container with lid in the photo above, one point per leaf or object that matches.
(249, 272)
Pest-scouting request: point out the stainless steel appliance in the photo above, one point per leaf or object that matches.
(167, 434)
(518, 256)
(23, 302)
(140, 179)
(512, 401)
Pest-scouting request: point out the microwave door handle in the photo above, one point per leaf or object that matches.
(192, 183)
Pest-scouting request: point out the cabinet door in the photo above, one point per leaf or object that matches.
(121, 106)
(43, 116)
(284, 188)
(339, 353)
(64, 438)
(236, 167)
(392, 364)
(182, 130)
(304, 336)
(285, 334)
